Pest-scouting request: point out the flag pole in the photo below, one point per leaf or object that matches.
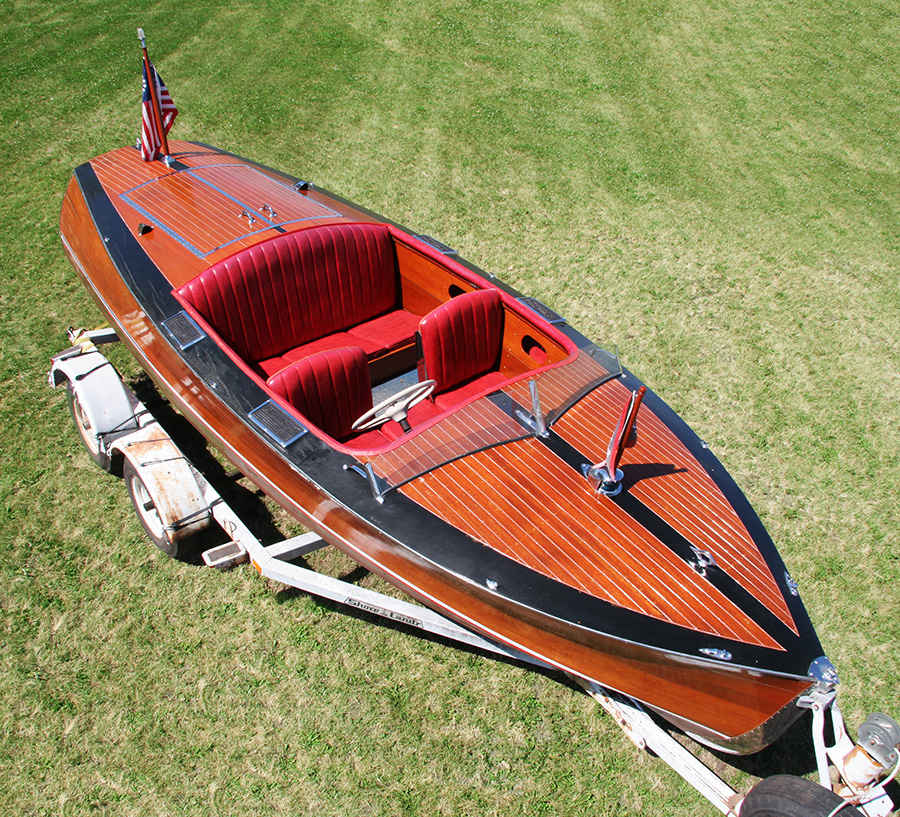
(154, 99)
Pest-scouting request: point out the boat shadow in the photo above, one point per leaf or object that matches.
(359, 575)
(250, 504)
(638, 472)
(792, 754)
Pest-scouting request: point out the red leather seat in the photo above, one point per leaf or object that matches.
(305, 292)
(331, 390)
(461, 345)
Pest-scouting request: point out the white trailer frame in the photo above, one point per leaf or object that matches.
(186, 502)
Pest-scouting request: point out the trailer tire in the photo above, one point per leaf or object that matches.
(145, 507)
(112, 465)
(784, 795)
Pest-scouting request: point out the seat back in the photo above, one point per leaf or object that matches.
(462, 338)
(331, 389)
(297, 287)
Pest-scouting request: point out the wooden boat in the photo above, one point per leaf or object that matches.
(270, 312)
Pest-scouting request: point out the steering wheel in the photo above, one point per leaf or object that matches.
(395, 407)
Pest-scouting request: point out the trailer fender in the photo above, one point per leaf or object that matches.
(103, 397)
(169, 492)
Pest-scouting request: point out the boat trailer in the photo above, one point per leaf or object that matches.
(174, 500)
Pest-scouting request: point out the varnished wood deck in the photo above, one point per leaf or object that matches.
(667, 478)
(505, 496)
(197, 215)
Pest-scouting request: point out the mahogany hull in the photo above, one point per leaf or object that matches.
(431, 542)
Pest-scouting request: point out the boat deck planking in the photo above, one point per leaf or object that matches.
(669, 480)
(593, 546)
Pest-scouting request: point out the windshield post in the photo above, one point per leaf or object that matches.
(540, 427)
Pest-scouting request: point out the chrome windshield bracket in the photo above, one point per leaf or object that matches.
(379, 486)
(535, 421)
(540, 426)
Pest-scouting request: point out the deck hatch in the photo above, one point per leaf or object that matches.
(184, 329)
(207, 208)
(277, 423)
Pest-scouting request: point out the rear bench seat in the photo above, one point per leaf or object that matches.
(306, 292)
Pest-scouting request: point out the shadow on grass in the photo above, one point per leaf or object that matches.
(791, 754)
(357, 574)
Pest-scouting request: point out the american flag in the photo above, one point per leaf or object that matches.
(151, 141)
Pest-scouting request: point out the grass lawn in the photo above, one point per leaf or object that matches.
(712, 185)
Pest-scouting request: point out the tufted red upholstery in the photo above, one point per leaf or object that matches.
(271, 300)
(461, 340)
(330, 389)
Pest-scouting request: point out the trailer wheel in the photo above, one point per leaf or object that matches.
(87, 436)
(784, 795)
(150, 518)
